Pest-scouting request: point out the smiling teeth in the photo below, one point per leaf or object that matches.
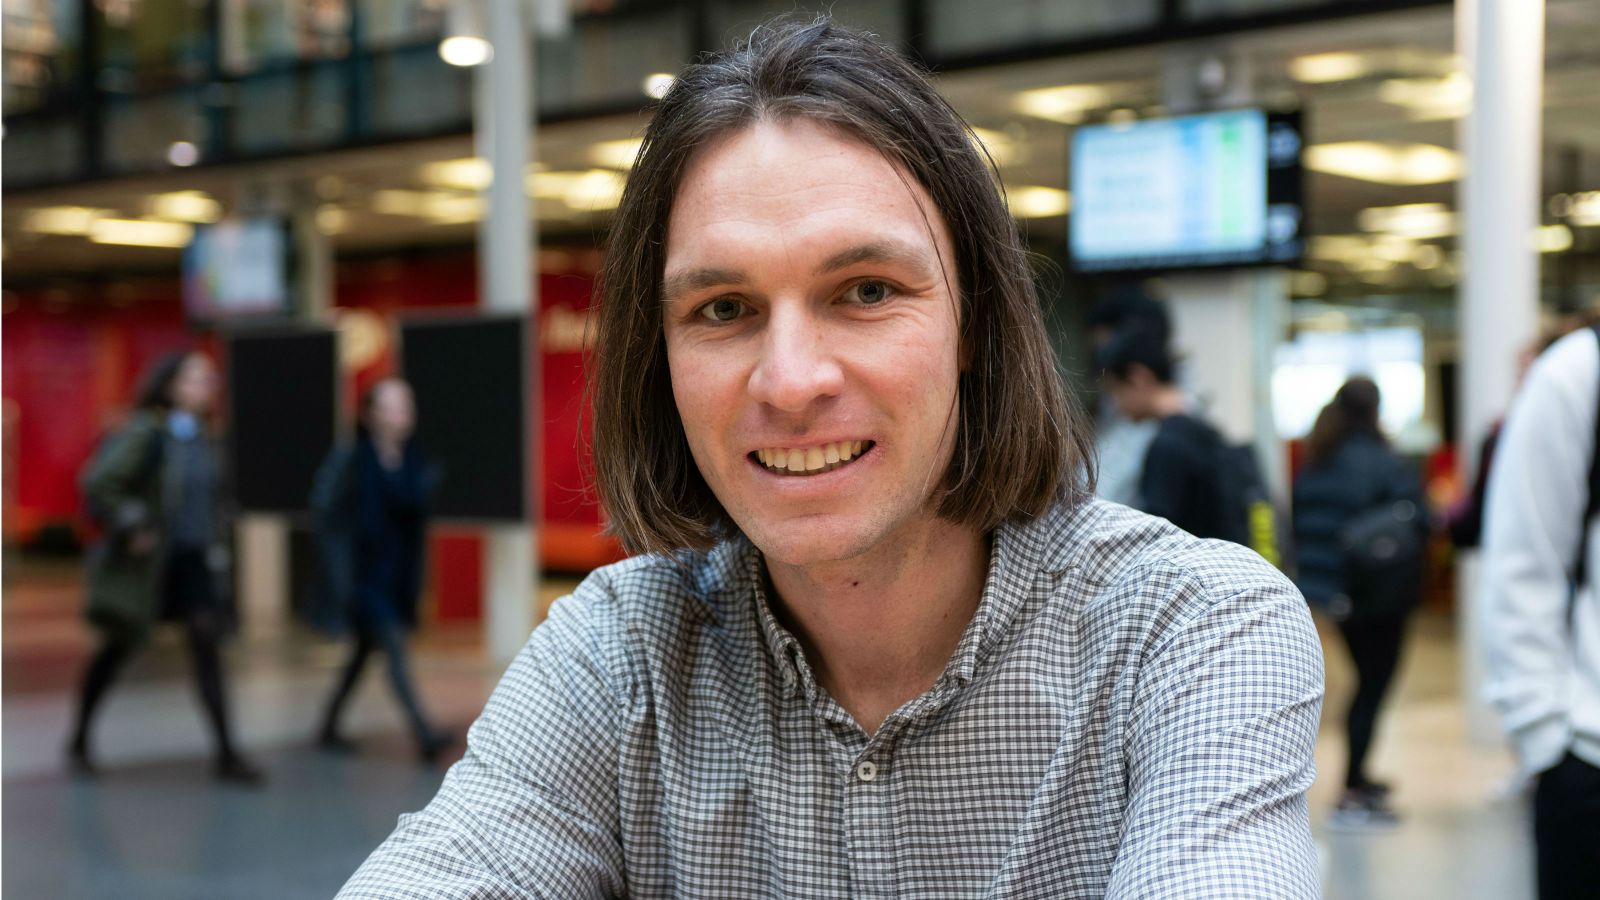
(810, 460)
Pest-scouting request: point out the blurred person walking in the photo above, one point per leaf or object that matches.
(1360, 529)
(1179, 474)
(1120, 442)
(154, 488)
(371, 507)
(1541, 555)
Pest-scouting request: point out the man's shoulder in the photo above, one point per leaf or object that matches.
(1130, 561)
(647, 599)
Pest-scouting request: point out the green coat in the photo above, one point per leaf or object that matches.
(126, 485)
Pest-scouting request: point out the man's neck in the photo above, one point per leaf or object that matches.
(1168, 401)
(879, 629)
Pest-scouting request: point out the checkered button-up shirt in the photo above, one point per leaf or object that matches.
(1130, 713)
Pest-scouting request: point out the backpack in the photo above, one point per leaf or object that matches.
(1383, 553)
(1254, 520)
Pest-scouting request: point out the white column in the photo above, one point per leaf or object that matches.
(261, 574)
(1502, 45)
(503, 120)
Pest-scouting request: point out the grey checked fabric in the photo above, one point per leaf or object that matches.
(1131, 713)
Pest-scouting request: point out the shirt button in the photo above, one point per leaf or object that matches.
(867, 770)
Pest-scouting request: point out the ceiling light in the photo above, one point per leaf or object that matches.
(68, 220)
(183, 153)
(1584, 208)
(1035, 202)
(465, 51)
(1553, 239)
(657, 85)
(1397, 164)
(997, 144)
(331, 219)
(140, 233)
(1067, 104)
(466, 41)
(1340, 248)
(470, 173)
(1418, 221)
(1430, 99)
(618, 154)
(1324, 68)
(184, 206)
(443, 207)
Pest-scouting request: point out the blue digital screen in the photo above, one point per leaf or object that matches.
(1219, 189)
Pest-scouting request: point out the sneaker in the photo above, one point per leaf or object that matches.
(433, 745)
(1361, 811)
(234, 769)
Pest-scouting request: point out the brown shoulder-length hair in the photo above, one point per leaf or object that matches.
(1021, 444)
(1352, 411)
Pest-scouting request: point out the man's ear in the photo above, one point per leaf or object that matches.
(1140, 376)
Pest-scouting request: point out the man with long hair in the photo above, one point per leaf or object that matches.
(877, 639)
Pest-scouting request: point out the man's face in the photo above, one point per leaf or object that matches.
(1131, 395)
(810, 316)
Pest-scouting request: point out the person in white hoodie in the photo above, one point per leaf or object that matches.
(1541, 568)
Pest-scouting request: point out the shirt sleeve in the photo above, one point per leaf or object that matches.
(1532, 528)
(531, 810)
(1221, 753)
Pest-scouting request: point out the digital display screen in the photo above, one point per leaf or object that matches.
(1213, 190)
(237, 268)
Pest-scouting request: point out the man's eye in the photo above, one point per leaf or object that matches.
(723, 309)
(869, 293)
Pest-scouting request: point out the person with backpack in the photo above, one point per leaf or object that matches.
(370, 503)
(1541, 555)
(1178, 480)
(1360, 529)
(154, 488)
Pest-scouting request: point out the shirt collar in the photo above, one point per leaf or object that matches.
(1020, 554)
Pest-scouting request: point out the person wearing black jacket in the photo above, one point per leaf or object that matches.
(370, 501)
(1178, 479)
(1352, 488)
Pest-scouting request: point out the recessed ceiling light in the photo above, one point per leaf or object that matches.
(1398, 164)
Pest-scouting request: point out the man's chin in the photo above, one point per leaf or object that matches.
(810, 544)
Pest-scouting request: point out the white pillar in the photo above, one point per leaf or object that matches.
(1502, 45)
(503, 121)
(262, 574)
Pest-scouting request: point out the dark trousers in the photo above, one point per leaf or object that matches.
(1374, 643)
(188, 595)
(389, 636)
(1566, 830)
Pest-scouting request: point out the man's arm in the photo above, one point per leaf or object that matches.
(1532, 528)
(531, 810)
(1221, 753)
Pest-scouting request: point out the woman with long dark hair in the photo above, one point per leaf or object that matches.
(371, 502)
(1357, 501)
(154, 487)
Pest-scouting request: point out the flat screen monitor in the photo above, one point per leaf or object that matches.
(238, 269)
(1221, 189)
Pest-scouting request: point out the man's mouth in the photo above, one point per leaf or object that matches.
(811, 460)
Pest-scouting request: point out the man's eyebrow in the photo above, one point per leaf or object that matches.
(893, 252)
(679, 283)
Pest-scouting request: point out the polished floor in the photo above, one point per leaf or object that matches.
(155, 826)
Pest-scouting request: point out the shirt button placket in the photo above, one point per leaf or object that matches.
(867, 816)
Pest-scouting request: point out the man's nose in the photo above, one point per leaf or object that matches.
(796, 367)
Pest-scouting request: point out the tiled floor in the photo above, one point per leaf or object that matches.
(156, 827)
